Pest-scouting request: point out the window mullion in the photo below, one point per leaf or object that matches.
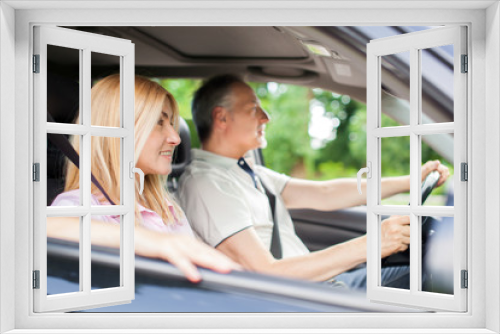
(128, 188)
(433, 129)
(85, 166)
(402, 210)
(39, 148)
(76, 129)
(415, 182)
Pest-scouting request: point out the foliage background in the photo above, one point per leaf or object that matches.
(289, 147)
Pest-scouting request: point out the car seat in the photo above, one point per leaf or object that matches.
(182, 156)
(62, 104)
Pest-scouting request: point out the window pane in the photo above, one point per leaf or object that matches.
(437, 84)
(439, 147)
(395, 271)
(62, 173)
(395, 162)
(63, 263)
(107, 103)
(105, 251)
(437, 254)
(106, 161)
(395, 73)
(63, 89)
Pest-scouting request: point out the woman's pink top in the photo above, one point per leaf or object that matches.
(150, 219)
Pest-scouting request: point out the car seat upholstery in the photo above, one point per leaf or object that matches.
(62, 104)
(182, 156)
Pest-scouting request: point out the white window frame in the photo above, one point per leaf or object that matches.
(84, 44)
(414, 43)
(484, 102)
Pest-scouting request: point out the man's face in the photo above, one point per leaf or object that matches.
(247, 120)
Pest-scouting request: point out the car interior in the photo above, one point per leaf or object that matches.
(258, 54)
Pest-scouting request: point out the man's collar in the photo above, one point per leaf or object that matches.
(216, 159)
(213, 159)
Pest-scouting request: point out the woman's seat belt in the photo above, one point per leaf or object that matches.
(67, 149)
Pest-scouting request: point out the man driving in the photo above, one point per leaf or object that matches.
(224, 196)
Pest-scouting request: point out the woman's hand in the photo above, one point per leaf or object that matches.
(184, 252)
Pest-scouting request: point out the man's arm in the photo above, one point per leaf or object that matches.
(342, 193)
(335, 194)
(246, 248)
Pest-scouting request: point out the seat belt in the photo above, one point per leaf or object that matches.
(275, 237)
(65, 146)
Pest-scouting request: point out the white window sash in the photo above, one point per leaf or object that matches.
(413, 42)
(86, 43)
(477, 321)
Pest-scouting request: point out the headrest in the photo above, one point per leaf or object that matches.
(182, 155)
(62, 98)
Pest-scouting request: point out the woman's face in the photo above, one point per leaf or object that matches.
(156, 156)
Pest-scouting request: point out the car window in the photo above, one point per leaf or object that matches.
(317, 134)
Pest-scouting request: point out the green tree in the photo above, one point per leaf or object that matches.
(183, 91)
(289, 147)
(287, 132)
(337, 158)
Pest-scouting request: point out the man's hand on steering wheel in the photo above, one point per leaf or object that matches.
(430, 166)
(395, 231)
(395, 235)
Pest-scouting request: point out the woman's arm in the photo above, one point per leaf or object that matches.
(182, 251)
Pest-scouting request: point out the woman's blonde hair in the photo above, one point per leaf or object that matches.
(149, 100)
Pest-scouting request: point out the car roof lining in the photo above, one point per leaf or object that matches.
(259, 54)
(240, 50)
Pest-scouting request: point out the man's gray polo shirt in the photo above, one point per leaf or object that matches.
(220, 200)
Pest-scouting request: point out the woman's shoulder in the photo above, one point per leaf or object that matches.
(72, 198)
(175, 211)
(67, 198)
(153, 220)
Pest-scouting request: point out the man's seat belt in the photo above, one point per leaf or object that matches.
(275, 238)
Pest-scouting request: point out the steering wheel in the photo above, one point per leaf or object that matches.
(428, 185)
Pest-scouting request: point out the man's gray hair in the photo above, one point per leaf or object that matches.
(216, 92)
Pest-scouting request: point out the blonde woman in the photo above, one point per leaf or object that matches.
(162, 230)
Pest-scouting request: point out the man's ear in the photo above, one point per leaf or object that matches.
(219, 115)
